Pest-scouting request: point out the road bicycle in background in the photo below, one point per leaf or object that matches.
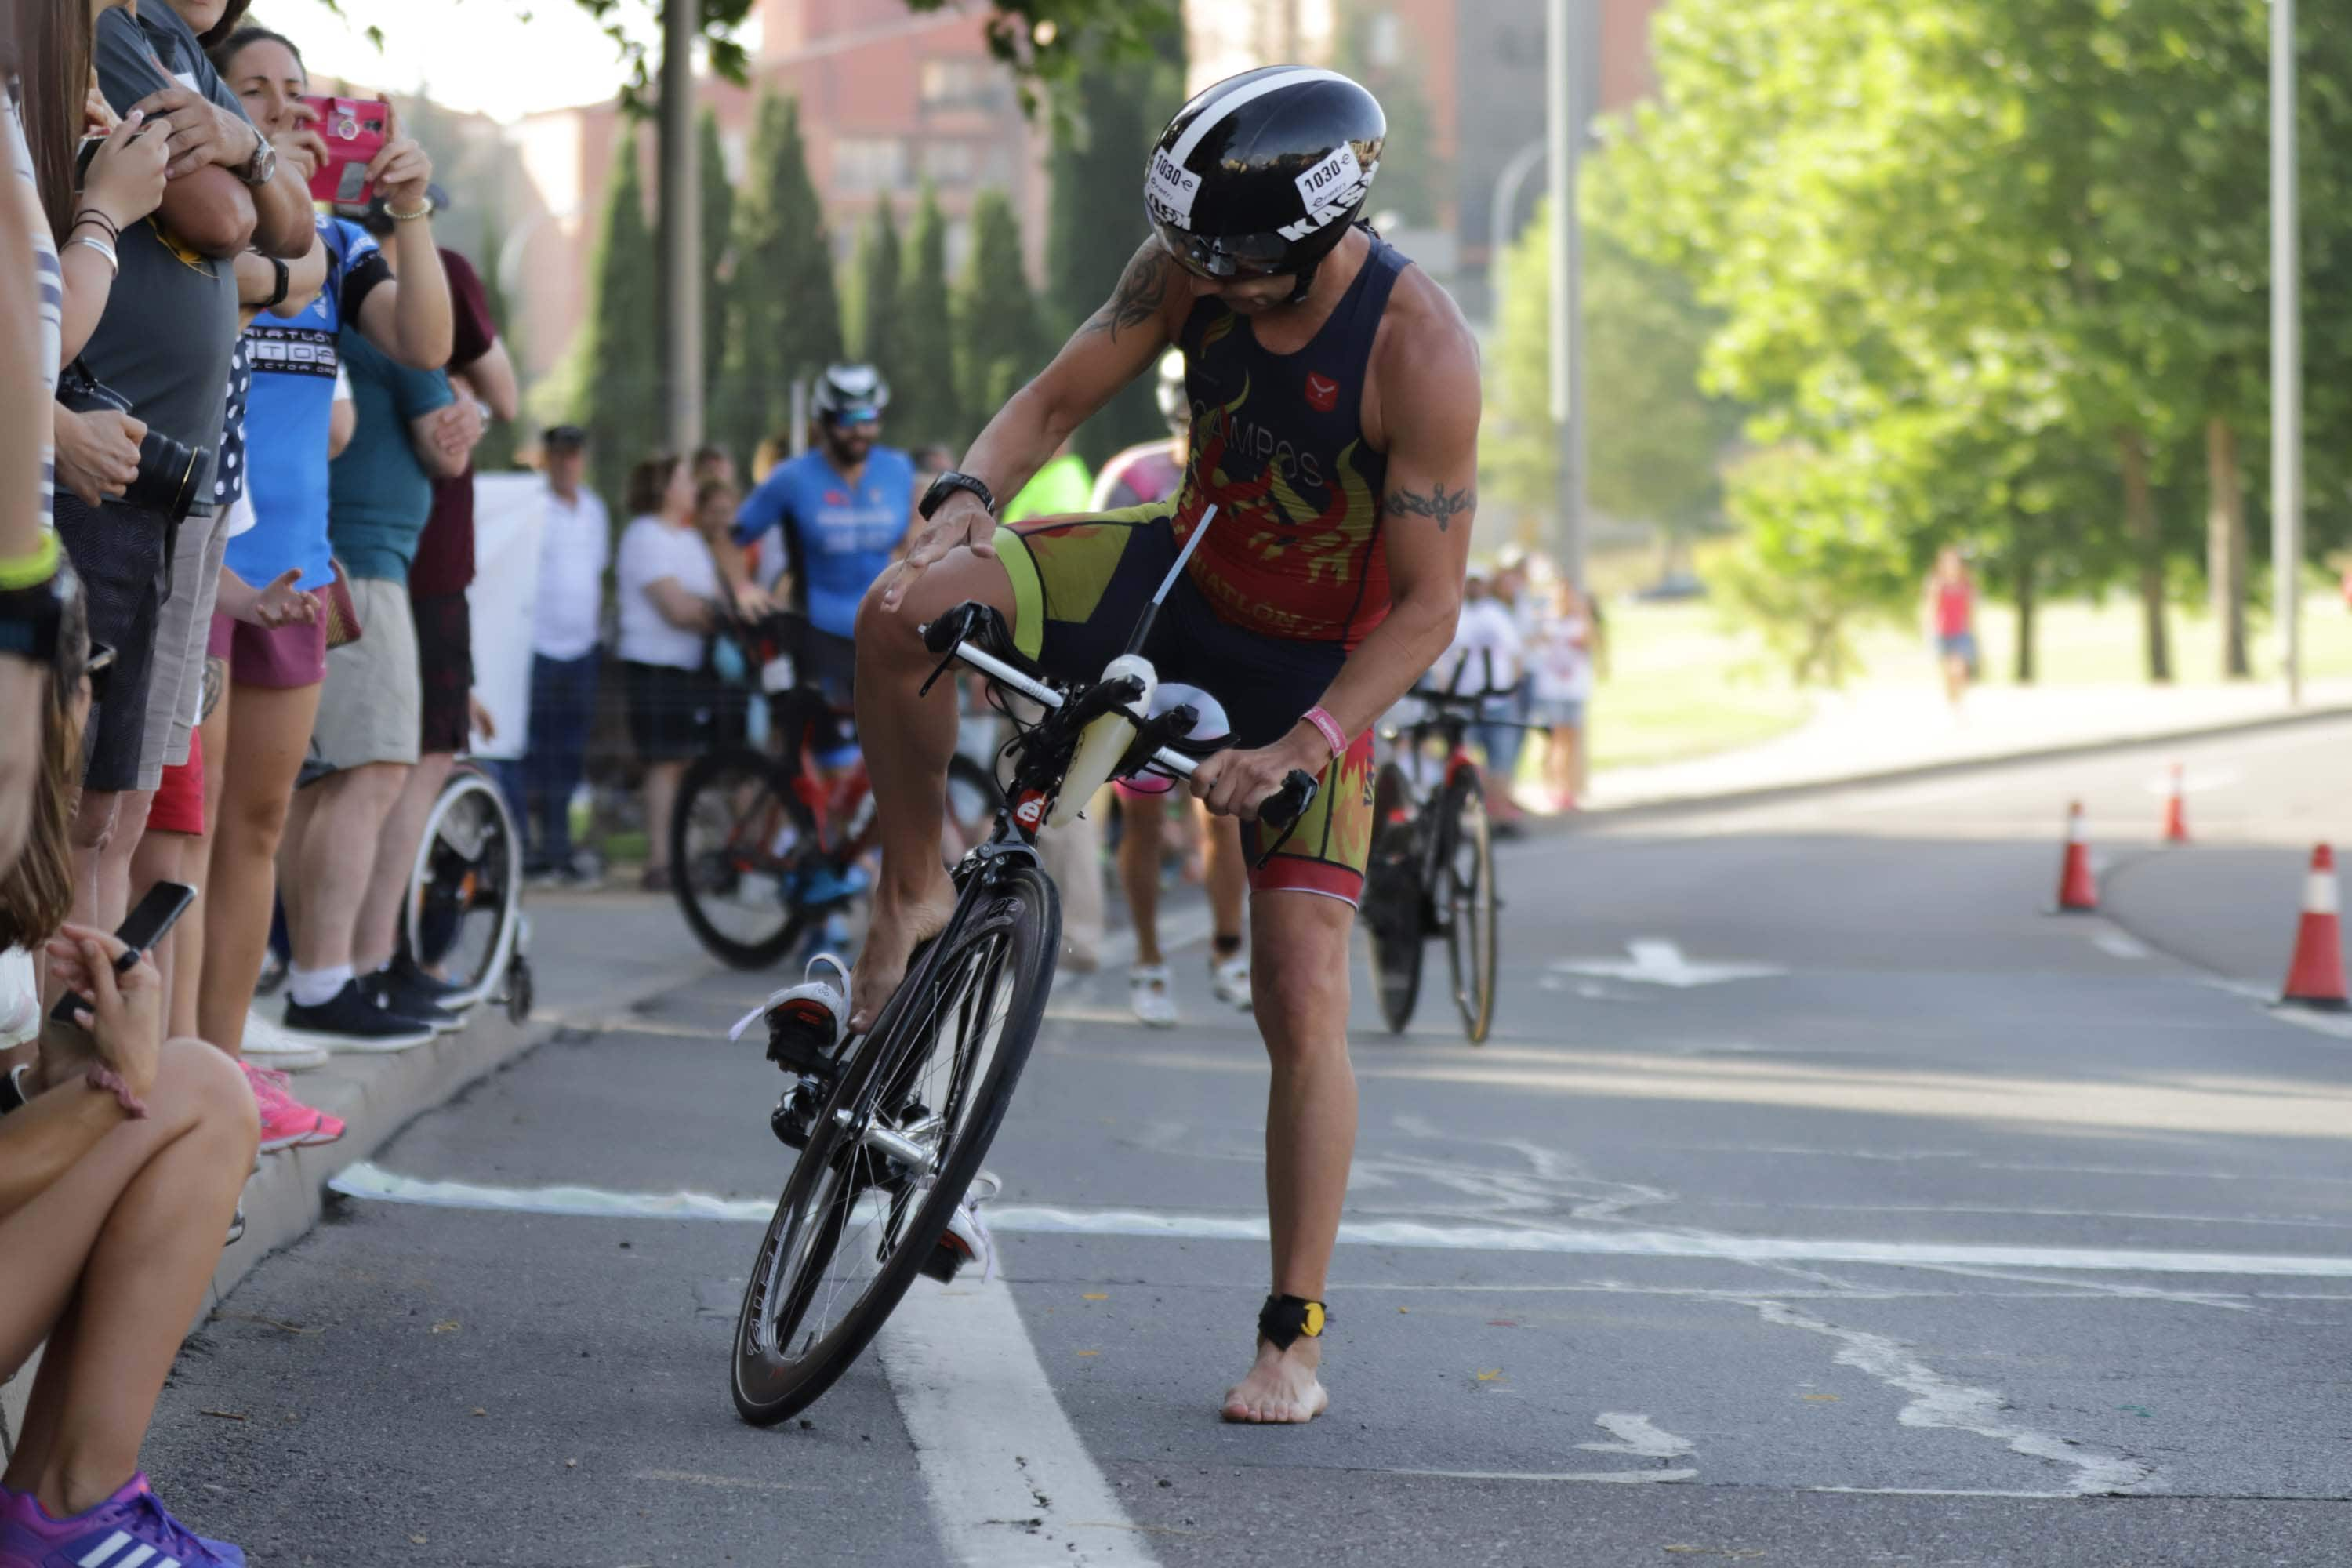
(769, 846)
(891, 1126)
(1431, 869)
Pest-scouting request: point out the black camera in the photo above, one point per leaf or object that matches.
(176, 480)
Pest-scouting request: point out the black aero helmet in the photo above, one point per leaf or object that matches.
(1261, 174)
(851, 394)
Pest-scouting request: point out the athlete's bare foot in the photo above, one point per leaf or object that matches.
(1282, 1388)
(897, 926)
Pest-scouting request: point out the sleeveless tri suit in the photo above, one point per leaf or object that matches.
(1291, 576)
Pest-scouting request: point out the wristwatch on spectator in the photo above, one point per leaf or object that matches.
(262, 167)
(946, 484)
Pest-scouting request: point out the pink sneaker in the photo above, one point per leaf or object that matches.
(285, 1121)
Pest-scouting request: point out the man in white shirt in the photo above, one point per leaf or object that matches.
(575, 549)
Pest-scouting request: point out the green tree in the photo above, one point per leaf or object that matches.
(1117, 107)
(1374, 45)
(926, 406)
(718, 231)
(618, 393)
(783, 318)
(1658, 442)
(873, 295)
(999, 344)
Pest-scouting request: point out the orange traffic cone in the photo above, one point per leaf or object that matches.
(2077, 892)
(2176, 813)
(2315, 977)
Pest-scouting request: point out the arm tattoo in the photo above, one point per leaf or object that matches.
(1442, 504)
(1142, 291)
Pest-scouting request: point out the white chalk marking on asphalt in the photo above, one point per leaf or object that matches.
(1010, 1481)
(367, 1180)
(1657, 962)
(2119, 945)
(1636, 1436)
(1945, 1492)
(1619, 1478)
(1939, 1401)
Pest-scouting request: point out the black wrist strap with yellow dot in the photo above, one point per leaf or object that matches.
(1284, 1320)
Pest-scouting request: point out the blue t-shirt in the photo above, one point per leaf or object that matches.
(379, 495)
(837, 536)
(294, 364)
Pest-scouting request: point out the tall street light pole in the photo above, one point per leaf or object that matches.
(1565, 60)
(681, 231)
(2286, 354)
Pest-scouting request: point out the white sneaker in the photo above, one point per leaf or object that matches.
(1232, 977)
(1149, 993)
(273, 1048)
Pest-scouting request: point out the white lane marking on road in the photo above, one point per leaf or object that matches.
(1010, 1481)
(1635, 1434)
(1656, 962)
(367, 1180)
(1939, 1401)
(2119, 945)
(1620, 1478)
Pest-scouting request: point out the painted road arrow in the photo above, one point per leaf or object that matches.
(1657, 963)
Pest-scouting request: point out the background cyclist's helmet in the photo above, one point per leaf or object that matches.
(1175, 406)
(851, 394)
(1261, 174)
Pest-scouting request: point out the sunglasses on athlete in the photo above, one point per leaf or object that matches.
(1230, 258)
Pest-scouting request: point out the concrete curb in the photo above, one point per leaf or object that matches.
(377, 1096)
(1951, 767)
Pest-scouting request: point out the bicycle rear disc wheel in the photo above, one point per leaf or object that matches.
(1392, 901)
(854, 1226)
(1466, 887)
(465, 891)
(735, 820)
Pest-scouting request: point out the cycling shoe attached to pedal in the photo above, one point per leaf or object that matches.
(806, 1023)
(966, 1238)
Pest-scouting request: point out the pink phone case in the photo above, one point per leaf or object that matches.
(355, 131)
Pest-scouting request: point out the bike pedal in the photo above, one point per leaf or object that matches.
(794, 1117)
(800, 1035)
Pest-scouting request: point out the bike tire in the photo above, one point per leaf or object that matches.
(1392, 902)
(1005, 939)
(468, 863)
(704, 874)
(1466, 875)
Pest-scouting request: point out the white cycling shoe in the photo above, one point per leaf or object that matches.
(1231, 978)
(966, 1239)
(1150, 992)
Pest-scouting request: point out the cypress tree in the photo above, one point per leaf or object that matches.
(718, 231)
(999, 342)
(619, 397)
(1096, 217)
(873, 305)
(926, 406)
(783, 316)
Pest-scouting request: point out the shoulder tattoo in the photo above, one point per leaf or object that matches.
(1440, 503)
(1142, 291)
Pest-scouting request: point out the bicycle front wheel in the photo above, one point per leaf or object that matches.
(1466, 890)
(858, 1221)
(736, 823)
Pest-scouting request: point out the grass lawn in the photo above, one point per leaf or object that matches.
(1683, 683)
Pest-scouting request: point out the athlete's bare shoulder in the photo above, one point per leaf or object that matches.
(1151, 281)
(1425, 344)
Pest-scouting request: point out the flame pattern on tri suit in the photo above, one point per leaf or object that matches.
(1279, 448)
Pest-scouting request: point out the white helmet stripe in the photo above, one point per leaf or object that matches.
(1221, 109)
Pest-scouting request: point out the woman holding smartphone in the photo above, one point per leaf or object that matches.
(260, 729)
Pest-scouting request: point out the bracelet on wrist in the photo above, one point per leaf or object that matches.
(89, 242)
(1328, 728)
(106, 1080)
(98, 219)
(32, 569)
(423, 210)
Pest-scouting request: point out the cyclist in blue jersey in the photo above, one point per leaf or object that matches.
(843, 508)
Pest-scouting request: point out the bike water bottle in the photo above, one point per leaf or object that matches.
(1104, 743)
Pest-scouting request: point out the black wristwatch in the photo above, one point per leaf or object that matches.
(946, 485)
(30, 618)
(285, 276)
(262, 167)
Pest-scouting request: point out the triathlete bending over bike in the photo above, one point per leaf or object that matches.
(1334, 397)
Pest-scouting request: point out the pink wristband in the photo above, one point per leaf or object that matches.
(107, 1081)
(1333, 736)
